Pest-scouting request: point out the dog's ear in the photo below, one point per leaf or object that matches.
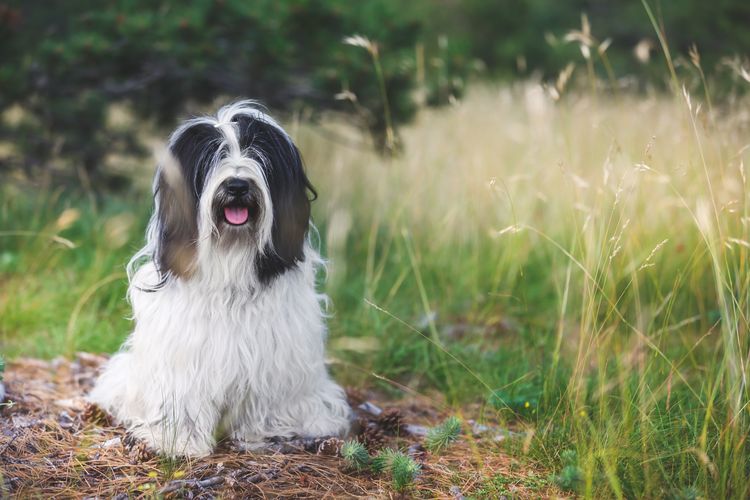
(289, 187)
(178, 227)
(289, 190)
(180, 181)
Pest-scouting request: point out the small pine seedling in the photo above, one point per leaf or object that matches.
(440, 437)
(569, 479)
(402, 468)
(404, 471)
(687, 493)
(571, 476)
(355, 454)
(381, 463)
(569, 457)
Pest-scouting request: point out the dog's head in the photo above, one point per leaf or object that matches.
(231, 200)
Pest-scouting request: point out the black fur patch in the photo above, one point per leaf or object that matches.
(179, 196)
(288, 186)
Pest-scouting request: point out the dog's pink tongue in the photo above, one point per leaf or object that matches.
(235, 215)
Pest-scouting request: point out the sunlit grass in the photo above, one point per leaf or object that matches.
(585, 258)
(61, 268)
(588, 255)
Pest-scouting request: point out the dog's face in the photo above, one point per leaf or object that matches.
(232, 197)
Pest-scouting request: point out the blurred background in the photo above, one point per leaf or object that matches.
(534, 211)
(67, 67)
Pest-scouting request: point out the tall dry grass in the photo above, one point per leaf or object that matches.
(619, 229)
(584, 255)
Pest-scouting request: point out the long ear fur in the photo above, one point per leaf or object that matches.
(288, 187)
(179, 185)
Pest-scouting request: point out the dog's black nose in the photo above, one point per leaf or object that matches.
(236, 186)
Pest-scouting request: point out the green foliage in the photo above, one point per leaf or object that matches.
(569, 457)
(404, 470)
(382, 461)
(64, 64)
(687, 493)
(163, 56)
(522, 399)
(440, 437)
(74, 247)
(570, 477)
(514, 37)
(401, 467)
(2, 368)
(501, 485)
(355, 454)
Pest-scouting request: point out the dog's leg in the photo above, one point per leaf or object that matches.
(245, 425)
(181, 425)
(323, 413)
(173, 419)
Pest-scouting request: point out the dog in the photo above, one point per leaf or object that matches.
(229, 331)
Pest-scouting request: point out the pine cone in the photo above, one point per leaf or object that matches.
(330, 447)
(373, 438)
(92, 413)
(355, 396)
(391, 420)
(138, 451)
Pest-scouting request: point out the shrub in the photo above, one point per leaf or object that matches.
(64, 65)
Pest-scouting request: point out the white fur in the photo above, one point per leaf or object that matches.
(219, 353)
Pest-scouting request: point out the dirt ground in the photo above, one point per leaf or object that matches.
(54, 445)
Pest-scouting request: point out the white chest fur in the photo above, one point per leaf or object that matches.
(201, 360)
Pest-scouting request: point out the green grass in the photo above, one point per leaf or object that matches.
(61, 268)
(579, 267)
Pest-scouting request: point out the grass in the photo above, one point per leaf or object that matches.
(578, 267)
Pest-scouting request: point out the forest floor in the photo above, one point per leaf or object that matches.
(54, 445)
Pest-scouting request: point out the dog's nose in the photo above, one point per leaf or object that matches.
(237, 187)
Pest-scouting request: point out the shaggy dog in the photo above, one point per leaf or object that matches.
(229, 330)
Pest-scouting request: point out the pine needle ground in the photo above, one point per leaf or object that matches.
(53, 446)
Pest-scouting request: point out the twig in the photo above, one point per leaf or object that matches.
(262, 476)
(178, 484)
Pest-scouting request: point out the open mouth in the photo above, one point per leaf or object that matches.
(236, 215)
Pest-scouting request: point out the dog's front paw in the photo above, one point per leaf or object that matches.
(325, 426)
(172, 442)
(321, 445)
(326, 419)
(249, 445)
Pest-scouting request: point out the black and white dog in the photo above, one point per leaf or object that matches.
(229, 329)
